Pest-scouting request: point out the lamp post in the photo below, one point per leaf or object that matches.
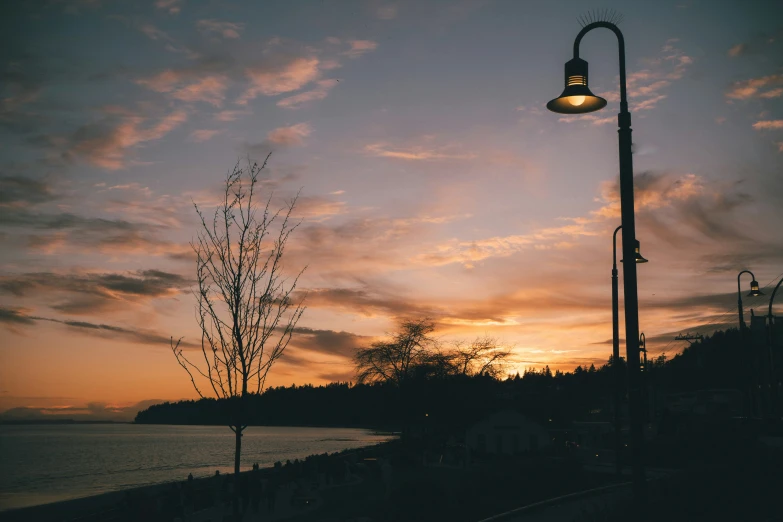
(755, 399)
(578, 99)
(618, 373)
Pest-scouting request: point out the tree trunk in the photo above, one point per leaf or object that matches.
(237, 453)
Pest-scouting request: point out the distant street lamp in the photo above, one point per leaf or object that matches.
(770, 342)
(618, 373)
(754, 291)
(754, 398)
(578, 99)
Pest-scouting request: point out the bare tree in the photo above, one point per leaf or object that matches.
(483, 356)
(394, 361)
(244, 302)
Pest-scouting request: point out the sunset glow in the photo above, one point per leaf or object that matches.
(434, 182)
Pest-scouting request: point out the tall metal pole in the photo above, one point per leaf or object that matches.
(618, 371)
(755, 396)
(631, 297)
(775, 391)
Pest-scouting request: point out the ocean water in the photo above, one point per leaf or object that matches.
(48, 463)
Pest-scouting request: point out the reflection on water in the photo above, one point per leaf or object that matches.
(46, 463)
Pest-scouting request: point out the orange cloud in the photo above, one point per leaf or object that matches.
(754, 88)
(768, 125)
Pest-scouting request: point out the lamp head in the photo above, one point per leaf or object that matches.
(576, 97)
(639, 258)
(754, 289)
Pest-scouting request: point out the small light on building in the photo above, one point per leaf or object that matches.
(426, 414)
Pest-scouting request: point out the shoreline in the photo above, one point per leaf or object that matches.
(91, 504)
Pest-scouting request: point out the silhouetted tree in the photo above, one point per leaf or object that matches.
(244, 305)
(394, 361)
(483, 356)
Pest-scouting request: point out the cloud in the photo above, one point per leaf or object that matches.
(768, 125)
(315, 208)
(103, 331)
(63, 231)
(91, 292)
(14, 316)
(172, 6)
(19, 192)
(228, 30)
(289, 136)
(360, 47)
(93, 411)
(107, 142)
(183, 85)
(153, 33)
(329, 342)
(737, 50)
(386, 12)
(210, 89)
(230, 115)
(274, 79)
(763, 87)
(202, 135)
(416, 153)
(298, 100)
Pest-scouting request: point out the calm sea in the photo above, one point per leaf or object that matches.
(47, 463)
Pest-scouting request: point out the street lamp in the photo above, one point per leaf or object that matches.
(618, 374)
(578, 99)
(754, 291)
(754, 398)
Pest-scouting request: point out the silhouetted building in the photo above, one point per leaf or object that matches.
(506, 432)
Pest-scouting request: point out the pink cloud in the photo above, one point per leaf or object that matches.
(202, 135)
(228, 30)
(110, 146)
(288, 136)
(415, 153)
(298, 100)
(360, 47)
(210, 89)
(288, 77)
(172, 6)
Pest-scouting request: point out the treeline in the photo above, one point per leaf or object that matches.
(458, 399)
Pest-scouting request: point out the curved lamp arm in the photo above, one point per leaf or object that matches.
(621, 43)
(739, 288)
(614, 247)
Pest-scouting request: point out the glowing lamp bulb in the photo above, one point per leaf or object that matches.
(576, 100)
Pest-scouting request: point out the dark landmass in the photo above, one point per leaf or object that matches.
(455, 401)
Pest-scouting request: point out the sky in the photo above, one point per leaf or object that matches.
(434, 183)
